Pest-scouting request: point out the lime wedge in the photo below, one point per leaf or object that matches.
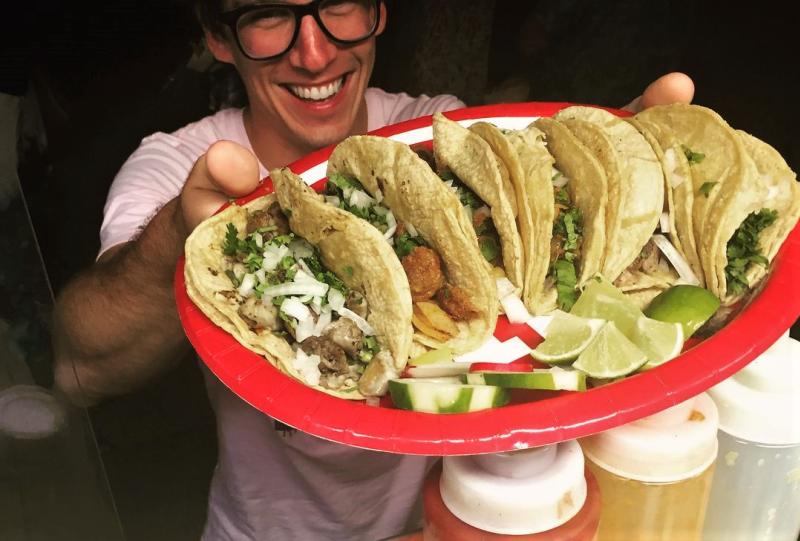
(567, 337)
(600, 299)
(611, 354)
(659, 340)
(691, 306)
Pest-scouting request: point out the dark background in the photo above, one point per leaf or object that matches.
(104, 75)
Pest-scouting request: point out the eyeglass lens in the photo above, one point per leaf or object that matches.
(268, 31)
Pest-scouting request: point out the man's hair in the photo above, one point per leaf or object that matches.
(207, 13)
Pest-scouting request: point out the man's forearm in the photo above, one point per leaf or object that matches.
(116, 325)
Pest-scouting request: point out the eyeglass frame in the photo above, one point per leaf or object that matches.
(231, 18)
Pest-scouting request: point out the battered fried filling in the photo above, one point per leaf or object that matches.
(282, 287)
(437, 304)
(565, 245)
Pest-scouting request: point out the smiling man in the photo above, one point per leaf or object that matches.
(305, 67)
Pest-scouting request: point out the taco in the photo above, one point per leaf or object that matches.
(387, 184)
(742, 210)
(578, 195)
(319, 294)
(635, 184)
(530, 168)
(487, 192)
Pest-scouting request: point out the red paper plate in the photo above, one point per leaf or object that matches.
(549, 419)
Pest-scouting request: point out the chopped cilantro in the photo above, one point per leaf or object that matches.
(706, 188)
(231, 244)
(467, 197)
(342, 181)
(253, 261)
(743, 249)
(282, 239)
(447, 175)
(336, 186)
(405, 244)
(369, 347)
(562, 196)
(564, 273)
(234, 280)
(693, 157)
(489, 248)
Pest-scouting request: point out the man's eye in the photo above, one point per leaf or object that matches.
(266, 19)
(343, 8)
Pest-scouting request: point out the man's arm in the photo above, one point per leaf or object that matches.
(116, 326)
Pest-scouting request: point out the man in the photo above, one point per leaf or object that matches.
(305, 67)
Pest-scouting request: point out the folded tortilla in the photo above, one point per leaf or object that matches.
(473, 158)
(634, 179)
(395, 175)
(744, 196)
(587, 187)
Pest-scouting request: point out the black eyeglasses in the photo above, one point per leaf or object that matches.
(267, 31)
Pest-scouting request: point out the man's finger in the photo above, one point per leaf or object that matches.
(226, 170)
(674, 87)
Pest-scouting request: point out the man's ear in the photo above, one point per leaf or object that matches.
(382, 25)
(219, 46)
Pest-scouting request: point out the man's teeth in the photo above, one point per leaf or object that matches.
(317, 92)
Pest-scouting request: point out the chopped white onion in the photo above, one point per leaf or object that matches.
(322, 322)
(670, 160)
(301, 248)
(515, 309)
(378, 196)
(303, 275)
(373, 401)
(360, 322)
(361, 199)
(333, 200)
(504, 287)
(273, 255)
(675, 180)
(315, 289)
(390, 233)
(380, 210)
(335, 298)
(316, 305)
(304, 329)
(259, 240)
(293, 307)
(307, 366)
(561, 180)
(449, 184)
(247, 285)
(664, 222)
(676, 259)
(411, 229)
(261, 274)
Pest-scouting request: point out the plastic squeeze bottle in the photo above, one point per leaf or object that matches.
(655, 473)
(755, 495)
(542, 494)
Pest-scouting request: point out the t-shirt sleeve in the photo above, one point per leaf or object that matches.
(155, 173)
(385, 108)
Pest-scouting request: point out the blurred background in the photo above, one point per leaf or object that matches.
(82, 83)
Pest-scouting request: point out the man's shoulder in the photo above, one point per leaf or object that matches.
(386, 108)
(224, 124)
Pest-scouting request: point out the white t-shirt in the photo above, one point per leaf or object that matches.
(270, 484)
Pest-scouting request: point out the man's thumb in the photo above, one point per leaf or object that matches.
(226, 170)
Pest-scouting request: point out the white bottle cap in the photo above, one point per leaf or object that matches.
(761, 402)
(516, 493)
(29, 412)
(676, 444)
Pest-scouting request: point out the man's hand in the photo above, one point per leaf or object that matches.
(226, 170)
(671, 88)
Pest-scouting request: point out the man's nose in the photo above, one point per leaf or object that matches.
(313, 51)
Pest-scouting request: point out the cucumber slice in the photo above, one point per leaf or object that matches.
(443, 397)
(552, 379)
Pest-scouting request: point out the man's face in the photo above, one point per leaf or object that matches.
(311, 96)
